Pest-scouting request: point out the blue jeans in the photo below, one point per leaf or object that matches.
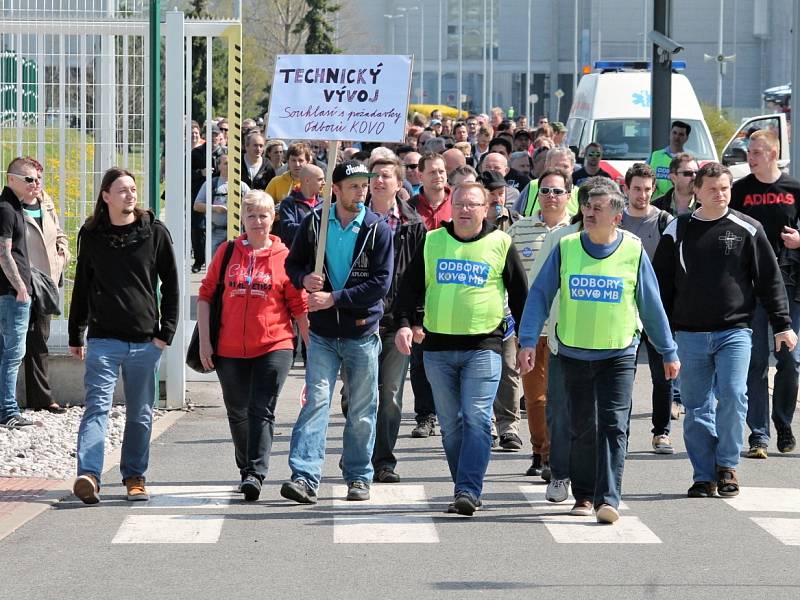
(392, 370)
(464, 385)
(598, 445)
(662, 388)
(423, 396)
(784, 392)
(139, 363)
(714, 392)
(358, 359)
(14, 317)
(557, 412)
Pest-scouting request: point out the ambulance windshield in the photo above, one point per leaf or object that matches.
(629, 139)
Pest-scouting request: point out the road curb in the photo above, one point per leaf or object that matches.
(30, 510)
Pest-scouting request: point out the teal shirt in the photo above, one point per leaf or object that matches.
(339, 247)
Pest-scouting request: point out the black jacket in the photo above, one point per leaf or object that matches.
(358, 307)
(262, 177)
(408, 238)
(116, 280)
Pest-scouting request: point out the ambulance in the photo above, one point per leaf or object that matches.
(612, 107)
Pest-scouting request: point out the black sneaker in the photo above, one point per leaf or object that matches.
(786, 441)
(536, 466)
(386, 475)
(465, 504)
(451, 508)
(358, 490)
(510, 442)
(702, 489)
(251, 488)
(299, 491)
(425, 428)
(15, 422)
(547, 474)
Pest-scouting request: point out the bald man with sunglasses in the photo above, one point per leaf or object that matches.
(15, 284)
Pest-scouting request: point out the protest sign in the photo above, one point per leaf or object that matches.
(338, 97)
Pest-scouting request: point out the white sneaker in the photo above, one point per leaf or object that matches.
(607, 514)
(662, 445)
(557, 490)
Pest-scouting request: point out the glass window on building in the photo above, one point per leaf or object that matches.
(471, 14)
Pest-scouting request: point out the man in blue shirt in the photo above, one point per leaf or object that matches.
(345, 306)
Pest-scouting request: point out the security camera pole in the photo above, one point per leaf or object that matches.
(336, 97)
(661, 78)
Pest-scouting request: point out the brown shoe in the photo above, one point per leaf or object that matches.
(582, 508)
(727, 483)
(86, 489)
(136, 489)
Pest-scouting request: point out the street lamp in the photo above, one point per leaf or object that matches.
(391, 19)
(404, 12)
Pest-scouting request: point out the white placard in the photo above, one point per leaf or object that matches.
(338, 97)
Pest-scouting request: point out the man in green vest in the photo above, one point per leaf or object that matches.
(604, 280)
(456, 287)
(557, 158)
(660, 159)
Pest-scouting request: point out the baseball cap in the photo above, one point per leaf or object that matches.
(350, 168)
(435, 122)
(492, 180)
(558, 127)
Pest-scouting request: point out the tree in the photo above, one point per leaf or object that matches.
(317, 23)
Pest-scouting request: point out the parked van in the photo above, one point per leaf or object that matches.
(612, 107)
(734, 155)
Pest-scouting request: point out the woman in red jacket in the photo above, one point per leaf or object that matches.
(255, 344)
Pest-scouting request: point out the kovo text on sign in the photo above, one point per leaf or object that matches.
(596, 288)
(340, 97)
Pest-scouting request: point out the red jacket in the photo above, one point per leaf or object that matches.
(258, 302)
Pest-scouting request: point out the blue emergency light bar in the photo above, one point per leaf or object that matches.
(641, 65)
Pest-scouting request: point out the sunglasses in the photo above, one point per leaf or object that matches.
(594, 154)
(27, 178)
(223, 129)
(687, 173)
(412, 167)
(547, 191)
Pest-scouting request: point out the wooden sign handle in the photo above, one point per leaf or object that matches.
(333, 151)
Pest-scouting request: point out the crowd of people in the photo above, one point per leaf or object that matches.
(476, 257)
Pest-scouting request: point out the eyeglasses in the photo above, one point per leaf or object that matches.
(27, 178)
(412, 166)
(223, 129)
(547, 191)
(687, 173)
(594, 154)
(469, 207)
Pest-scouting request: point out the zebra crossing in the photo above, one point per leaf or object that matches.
(407, 514)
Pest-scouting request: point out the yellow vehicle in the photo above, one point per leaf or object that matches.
(447, 111)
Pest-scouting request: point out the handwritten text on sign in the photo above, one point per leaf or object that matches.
(339, 97)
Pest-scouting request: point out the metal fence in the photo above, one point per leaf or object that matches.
(73, 95)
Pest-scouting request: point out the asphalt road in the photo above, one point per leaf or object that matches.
(197, 539)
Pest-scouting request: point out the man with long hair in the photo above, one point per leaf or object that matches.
(122, 252)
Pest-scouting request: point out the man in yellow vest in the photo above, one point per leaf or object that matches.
(458, 280)
(660, 159)
(603, 279)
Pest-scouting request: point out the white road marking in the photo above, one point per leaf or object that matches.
(169, 529)
(567, 529)
(188, 496)
(786, 531)
(760, 499)
(394, 514)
